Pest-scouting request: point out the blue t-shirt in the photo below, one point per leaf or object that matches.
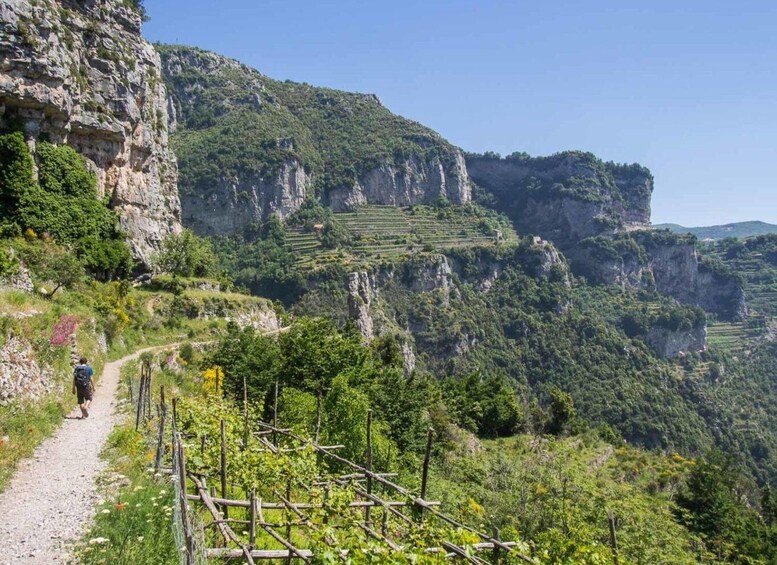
(83, 375)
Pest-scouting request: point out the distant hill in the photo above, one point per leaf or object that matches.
(737, 229)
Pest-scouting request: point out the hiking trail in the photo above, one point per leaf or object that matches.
(51, 499)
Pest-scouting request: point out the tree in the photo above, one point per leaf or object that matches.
(58, 266)
(562, 411)
(185, 255)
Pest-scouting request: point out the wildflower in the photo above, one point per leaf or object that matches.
(140, 538)
(97, 541)
(155, 504)
(106, 511)
(121, 506)
(162, 492)
(137, 488)
(138, 505)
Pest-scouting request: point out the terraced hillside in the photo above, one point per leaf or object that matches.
(378, 232)
(755, 260)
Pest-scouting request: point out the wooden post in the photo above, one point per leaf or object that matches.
(245, 413)
(252, 521)
(224, 468)
(495, 555)
(318, 417)
(427, 458)
(324, 503)
(141, 403)
(368, 466)
(160, 448)
(175, 413)
(129, 386)
(288, 518)
(613, 537)
(275, 415)
(202, 446)
(184, 510)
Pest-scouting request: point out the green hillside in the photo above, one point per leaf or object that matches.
(739, 230)
(235, 120)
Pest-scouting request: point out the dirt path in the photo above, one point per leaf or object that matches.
(51, 499)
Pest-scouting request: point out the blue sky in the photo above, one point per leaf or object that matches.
(687, 88)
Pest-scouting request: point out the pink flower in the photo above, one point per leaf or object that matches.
(60, 334)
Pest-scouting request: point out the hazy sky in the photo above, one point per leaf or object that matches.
(687, 88)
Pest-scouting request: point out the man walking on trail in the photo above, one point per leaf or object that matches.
(83, 385)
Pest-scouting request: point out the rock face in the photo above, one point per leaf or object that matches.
(243, 200)
(79, 73)
(288, 141)
(359, 299)
(412, 181)
(668, 344)
(568, 196)
(21, 376)
(664, 262)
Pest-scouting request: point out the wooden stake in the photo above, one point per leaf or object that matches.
(496, 556)
(288, 518)
(252, 521)
(427, 458)
(184, 510)
(245, 413)
(160, 447)
(613, 537)
(275, 415)
(318, 416)
(224, 468)
(369, 463)
(141, 404)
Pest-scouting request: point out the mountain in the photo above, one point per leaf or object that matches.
(79, 73)
(250, 146)
(739, 230)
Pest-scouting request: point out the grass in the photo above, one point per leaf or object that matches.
(133, 523)
(25, 428)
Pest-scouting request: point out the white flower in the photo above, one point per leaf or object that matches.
(137, 488)
(140, 538)
(106, 511)
(138, 505)
(161, 492)
(96, 541)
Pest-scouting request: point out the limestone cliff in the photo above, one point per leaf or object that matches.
(250, 146)
(673, 343)
(79, 73)
(568, 196)
(661, 261)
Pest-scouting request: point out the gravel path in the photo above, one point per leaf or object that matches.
(51, 499)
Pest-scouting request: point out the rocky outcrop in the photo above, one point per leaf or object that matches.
(673, 343)
(678, 272)
(670, 264)
(359, 300)
(568, 196)
(237, 202)
(79, 73)
(19, 280)
(412, 181)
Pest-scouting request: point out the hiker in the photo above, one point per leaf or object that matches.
(83, 385)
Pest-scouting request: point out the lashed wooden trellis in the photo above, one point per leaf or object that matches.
(377, 499)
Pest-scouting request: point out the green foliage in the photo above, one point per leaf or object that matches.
(50, 263)
(185, 255)
(710, 505)
(561, 411)
(488, 406)
(63, 204)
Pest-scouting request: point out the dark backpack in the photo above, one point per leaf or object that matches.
(82, 375)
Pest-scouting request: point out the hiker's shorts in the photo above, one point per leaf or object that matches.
(84, 393)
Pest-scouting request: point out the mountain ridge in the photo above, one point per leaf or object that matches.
(720, 231)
